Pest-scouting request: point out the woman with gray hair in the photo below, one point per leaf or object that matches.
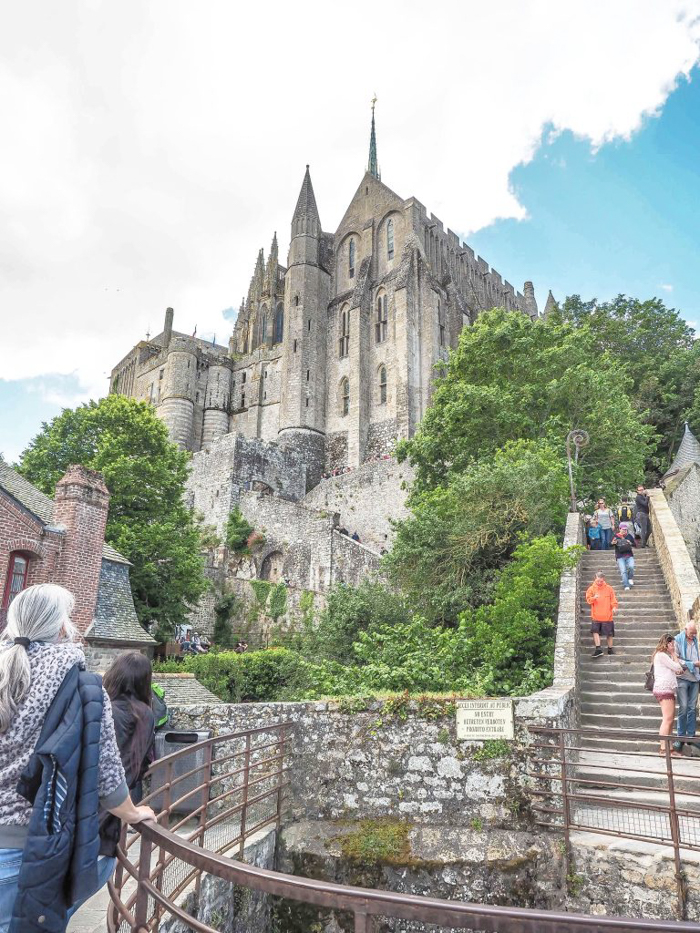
(38, 656)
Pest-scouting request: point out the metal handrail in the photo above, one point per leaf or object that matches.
(363, 903)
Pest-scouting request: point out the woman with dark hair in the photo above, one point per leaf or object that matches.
(667, 667)
(128, 685)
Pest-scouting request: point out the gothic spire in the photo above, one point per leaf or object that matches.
(373, 165)
(687, 453)
(306, 219)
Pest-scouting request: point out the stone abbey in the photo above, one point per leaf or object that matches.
(333, 353)
(331, 362)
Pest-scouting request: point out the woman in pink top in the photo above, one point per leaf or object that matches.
(666, 668)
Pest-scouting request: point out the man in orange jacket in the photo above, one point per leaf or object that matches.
(601, 598)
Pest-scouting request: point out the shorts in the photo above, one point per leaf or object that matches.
(603, 628)
(665, 696)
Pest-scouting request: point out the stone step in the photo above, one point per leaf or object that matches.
(603, 705)
(622, 692)
(604, 722)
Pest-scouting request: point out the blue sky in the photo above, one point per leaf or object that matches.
(143, 164)
(623, 219)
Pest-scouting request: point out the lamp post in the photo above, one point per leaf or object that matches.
(579, 439)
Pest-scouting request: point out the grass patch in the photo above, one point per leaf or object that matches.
(377, 842)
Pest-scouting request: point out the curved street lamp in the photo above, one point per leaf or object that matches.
(579, 439)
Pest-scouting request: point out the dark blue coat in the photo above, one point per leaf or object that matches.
(59, 864)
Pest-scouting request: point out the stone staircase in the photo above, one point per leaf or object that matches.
(612, 693)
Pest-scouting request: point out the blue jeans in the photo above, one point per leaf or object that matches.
(626, 568)
(605, 538)
(687, 706)
(10, 864)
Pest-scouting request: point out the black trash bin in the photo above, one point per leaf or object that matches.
(169, 741)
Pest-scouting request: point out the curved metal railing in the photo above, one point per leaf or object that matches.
(160, 865)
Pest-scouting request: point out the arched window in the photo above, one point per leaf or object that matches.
(279, 324)
(345, 396)
(381, 323)
(351, 258)
(344, 338)
(390, 239)
(262, 326)
(382, 385)
(16, 577)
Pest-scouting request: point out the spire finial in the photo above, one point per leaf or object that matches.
(373, 165)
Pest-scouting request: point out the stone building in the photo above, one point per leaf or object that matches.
(61, 540)
(334, 353)
(331, 361)
(681, 485)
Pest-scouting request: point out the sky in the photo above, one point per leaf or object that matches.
(149, 151)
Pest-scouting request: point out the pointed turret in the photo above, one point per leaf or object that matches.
(688, 452)
(306, 219)
(272, 265)
(373, 164)
(550, 304)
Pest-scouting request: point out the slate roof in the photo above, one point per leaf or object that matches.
(39, 504)
(184, 689)
(115, 617)
(687, 453)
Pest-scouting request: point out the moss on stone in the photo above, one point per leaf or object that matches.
(377, 842)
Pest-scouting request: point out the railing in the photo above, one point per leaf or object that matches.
(636, 794)
(174, 853)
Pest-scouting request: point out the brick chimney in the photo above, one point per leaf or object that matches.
(80, 506)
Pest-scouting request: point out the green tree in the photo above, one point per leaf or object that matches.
(446, 552)
(656, 347)
(145, 474)
(512, 378)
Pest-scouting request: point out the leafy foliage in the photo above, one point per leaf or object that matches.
(445, 554)
(224, 611)
(512, 378)
(145, 474)
(238, 530)
(656, 348)
(277, 603)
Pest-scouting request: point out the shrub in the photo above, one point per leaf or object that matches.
(238, 530)
(224, 610)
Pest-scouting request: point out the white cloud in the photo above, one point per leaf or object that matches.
(149, 150)
(666, 287)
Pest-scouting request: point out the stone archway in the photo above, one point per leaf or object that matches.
(272, 566)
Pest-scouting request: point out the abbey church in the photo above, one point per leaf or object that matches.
(331, 361)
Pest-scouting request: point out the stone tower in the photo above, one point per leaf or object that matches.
(307, 293)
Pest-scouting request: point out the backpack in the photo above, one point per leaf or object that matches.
(624, 513)
(159, 706)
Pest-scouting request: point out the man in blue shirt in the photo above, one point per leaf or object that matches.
(688, 683)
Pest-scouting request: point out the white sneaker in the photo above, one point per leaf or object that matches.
(626, 589)
(631, 582)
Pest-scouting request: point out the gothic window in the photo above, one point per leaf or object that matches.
(16, 577)
(380, 326)
(344, 339)
(390, 239)
(242, 399)
(345, 397)
(382, 385)
(351, 258)
(441, 322)
(279, 324)
(262, 327)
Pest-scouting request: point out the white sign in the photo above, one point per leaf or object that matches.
(485, 719)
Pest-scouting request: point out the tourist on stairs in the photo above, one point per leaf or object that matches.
(623, 542)
(606, 520)
(666, 669)
(600, 596)
(688, 684)
(595, 540)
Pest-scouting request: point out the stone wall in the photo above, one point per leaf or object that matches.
(234, 463)
(367, 499)
(682, 493)
(99, 657)
(679, 572)
(380, 762)
(558, 703)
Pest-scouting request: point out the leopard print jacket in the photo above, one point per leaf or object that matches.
(49, 665)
